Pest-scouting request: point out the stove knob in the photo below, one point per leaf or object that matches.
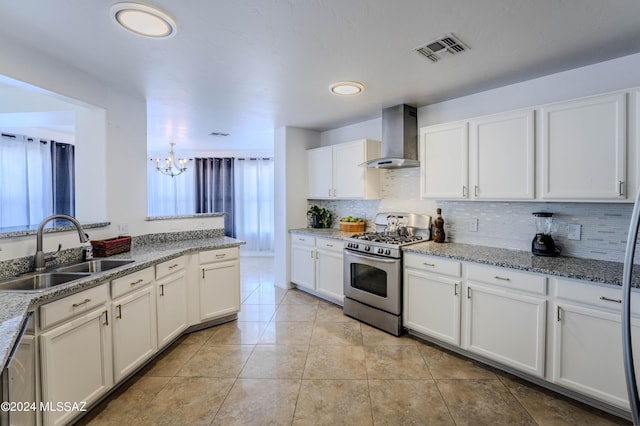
(380, 251)
(367, 248)
(387, 251)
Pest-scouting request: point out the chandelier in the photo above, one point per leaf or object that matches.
(172, 166)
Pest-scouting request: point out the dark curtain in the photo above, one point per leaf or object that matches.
(64, 196)
(215, 189)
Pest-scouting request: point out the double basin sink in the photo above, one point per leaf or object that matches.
(36, 281)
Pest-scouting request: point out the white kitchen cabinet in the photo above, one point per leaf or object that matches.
(317, 266)
(432, 297)
(76, 363)
(303, 260)
(502, 164)
(171, 300)
(584, 149)
(444, 161)
(502, 322)
(134, 330)
(587, 341)
(329, 269)
(219, 283)
(336, 171)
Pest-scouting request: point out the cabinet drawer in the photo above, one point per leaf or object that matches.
(603, 296)
(60, 310)
(131, 282)
(302, 239)
(432, 264)
(218, 255)
(508, 278)
(170, 266)
(329, 244)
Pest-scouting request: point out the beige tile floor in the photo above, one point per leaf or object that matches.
(293, 359)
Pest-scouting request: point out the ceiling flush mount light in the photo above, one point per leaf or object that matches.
(172, 166)
(346, 88)
(144, 20)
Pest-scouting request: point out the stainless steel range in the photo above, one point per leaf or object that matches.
(373, 269)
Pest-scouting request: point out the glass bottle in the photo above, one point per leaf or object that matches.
(438, 228)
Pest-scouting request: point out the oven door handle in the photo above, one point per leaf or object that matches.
(371, 257)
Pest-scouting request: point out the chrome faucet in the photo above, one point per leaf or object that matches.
(39, 259)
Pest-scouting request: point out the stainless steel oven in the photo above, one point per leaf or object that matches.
(373, 270)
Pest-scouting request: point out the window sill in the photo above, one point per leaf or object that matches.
(185, 216)
(33, 230)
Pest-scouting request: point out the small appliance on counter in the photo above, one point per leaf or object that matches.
(543, 244)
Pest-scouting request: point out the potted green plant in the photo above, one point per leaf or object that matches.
(320, 217)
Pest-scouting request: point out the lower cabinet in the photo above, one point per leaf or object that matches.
(219, 283)
(76, 363)
(506, 327)
(317, 265)
(587, 342)
(134, 330)
(171, 305)
(431, 298)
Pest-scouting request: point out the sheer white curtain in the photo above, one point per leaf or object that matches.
(170, 196)
(254, 203)
(25, 181)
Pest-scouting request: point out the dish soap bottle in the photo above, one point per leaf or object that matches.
(438, 234)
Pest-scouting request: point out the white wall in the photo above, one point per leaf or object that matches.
(370, 129)
(124, 159)
(290, 188)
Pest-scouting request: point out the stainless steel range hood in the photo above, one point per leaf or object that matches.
(399, 138)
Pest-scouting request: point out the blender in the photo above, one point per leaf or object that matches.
(543, 244)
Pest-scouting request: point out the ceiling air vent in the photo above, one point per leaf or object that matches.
(437, 49)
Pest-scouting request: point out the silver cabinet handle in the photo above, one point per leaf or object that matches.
(558, 316)
(329, 245)
(455, 289)
(464, 190)
(475, 190)
(84, 302)
(137, 282)
(119, 307)
(610, 300)
(220, 256)
(620, 188)
(429, 264)
(468, 292)
(329, 192)
(497, 277)
(173, 266)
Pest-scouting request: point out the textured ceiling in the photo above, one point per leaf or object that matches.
(245, 67)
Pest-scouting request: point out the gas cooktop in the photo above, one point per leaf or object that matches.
(378, 237)
(380, 244)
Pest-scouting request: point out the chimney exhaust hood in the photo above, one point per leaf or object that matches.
(399, 139)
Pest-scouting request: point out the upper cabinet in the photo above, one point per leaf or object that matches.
(502, 156)
(444, 161)
(488, 158)
(337, 172)
(584, 149)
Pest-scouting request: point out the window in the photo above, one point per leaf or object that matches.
(37, 179)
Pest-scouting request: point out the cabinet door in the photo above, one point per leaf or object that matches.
(587, 352)
(134, 330)
(506, 327)
(76, 363)
(444, 161)
(432, 305)
(171, 304)
(329, 274)
(348, 174)
(320, 173)
(502, 156)
(219, 289)
(303, 265)
(584, 149)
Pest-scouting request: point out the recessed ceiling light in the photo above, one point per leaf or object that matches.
(346, 88)
(144, 20)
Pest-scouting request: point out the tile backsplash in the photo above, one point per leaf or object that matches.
(510, 225)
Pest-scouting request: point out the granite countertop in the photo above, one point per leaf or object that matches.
(14, 306)
(599, 271)
(569, 267)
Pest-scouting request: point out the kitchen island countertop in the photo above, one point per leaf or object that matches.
(14, 306)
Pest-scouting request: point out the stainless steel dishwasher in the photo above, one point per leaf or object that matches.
(18, 379)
